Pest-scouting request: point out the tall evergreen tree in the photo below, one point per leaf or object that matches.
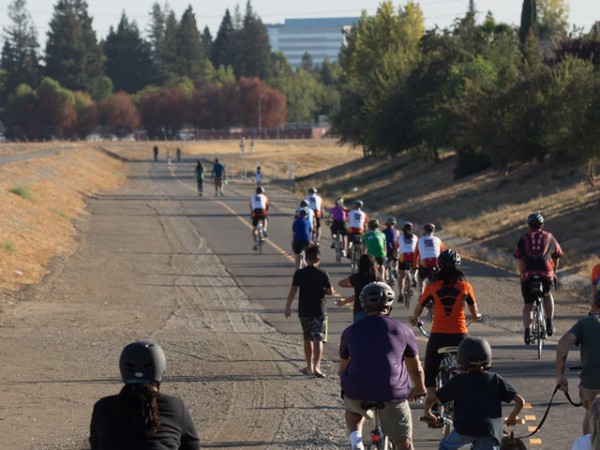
(128, 57)
(156, 32)
(73, 56)
(254, 55)
(222, 51)
(528, 20)
(20, 60)
(167, 67)
(192, 60)
(207, 41)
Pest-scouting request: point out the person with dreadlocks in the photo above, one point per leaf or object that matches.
(448, 292)
(140, 416)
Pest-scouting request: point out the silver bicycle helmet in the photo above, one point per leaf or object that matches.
(474, 352)
(312, 190)
(535, 220)
(358, 203)
(373, 224)
(391, 221)
(429, 228)
(142, 362)
(407, 226)
(376, 296)
(448, 259)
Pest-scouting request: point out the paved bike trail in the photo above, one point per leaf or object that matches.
(224, 222)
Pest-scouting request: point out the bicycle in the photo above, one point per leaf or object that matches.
(538, 324)
(407, 291)
(339, 247)
(448, 369)
(355, 253)
(378, 440)
(260, 240)
(390, 275)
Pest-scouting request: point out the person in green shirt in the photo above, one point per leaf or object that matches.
(374, 243)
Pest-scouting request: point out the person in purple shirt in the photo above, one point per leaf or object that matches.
(338, 215)
(379, 361)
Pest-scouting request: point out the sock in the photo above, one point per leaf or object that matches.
(355, 438)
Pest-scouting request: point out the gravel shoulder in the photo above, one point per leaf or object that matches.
(142, 271)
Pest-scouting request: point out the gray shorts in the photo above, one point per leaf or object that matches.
(314, 328)
(396, 418)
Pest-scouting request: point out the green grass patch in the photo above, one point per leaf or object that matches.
(9, 246)
(60, 213)
(23, 191)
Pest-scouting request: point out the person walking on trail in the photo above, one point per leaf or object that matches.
(178, 154)
(450, 294)
(242, 145)
(478, 396)
(258, 176)
(538, 253)
(586, 335)
(367, 273)
(313, 284)
(199, 175)
(141, 416)
(155, 151)
(379, 361)
(219, 175)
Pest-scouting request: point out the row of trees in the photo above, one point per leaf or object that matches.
(174, 53)
(53, 111)
(495, 95)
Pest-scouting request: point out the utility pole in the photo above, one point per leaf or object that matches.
(472, 6)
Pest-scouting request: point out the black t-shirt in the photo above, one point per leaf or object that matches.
(177, 431)
(478, 398)
(358, 282)
(312, 282)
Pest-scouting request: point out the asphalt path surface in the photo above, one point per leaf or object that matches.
(224, 222)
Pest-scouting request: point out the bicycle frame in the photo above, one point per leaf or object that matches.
(407, 292)
(538, 323)
(378, 440)
(260, 231)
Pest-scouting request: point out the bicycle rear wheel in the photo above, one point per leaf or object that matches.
(537, 329)
(338, 248)
(408, 290)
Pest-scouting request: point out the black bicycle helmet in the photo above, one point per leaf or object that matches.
(373, 224)
(474, 352)
(429, 228)
(302, 212)
(448, 259)
(142, 362)
(376, 296)
(260, 190)
(303, 204)
(407, 226)
(535, 220)
(358, 203)
(312, 190)
(391, 221)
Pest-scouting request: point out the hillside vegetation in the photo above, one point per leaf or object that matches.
(489, 208)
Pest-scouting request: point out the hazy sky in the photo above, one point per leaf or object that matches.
(106, 13)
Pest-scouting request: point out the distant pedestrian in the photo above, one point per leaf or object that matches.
(178, 154)
(199, 174)
(169, 157)
(314, 285)
(155, 151)
(242, 145)
(252, 146)
(259, 177)
(219, 175)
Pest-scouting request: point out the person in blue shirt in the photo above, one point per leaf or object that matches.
(302, 229)
(219, 175)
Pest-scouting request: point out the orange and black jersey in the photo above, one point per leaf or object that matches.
(448, 305)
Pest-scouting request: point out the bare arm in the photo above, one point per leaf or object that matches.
(475, 314)
(562, 351)
(416, 314)
(513, 416)
(415, 372)
(345, 301)
(288, 305)
(345, 283)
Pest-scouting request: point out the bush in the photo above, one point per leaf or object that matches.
(470, 162)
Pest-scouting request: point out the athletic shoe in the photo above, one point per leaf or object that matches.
(255, 246)
(343, 253)
(527, 336)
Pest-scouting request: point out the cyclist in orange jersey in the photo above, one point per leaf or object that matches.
(449, 291)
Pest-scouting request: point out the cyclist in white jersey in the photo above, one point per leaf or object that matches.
(357, 224)
(315, 202)
(259, 207)
(428, 249)
(407, 247)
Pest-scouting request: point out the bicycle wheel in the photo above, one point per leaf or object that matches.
(536, 330)
(338, 248)
(408, 290)
(540, 330)
(355, 258)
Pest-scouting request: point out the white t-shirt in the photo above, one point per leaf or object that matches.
(259, 201)
(583, 443)
(259, 178)
(357, 219)
(407, 245)
(316, 203)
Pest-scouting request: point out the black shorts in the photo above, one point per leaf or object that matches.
(380, 260)
(338, 227)
(355, 237)
(407, 265)
(426, 273)
(257, 216)
(298, 246)
(528, 296)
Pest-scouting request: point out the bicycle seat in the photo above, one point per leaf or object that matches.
(443, 350)
(372, 405)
